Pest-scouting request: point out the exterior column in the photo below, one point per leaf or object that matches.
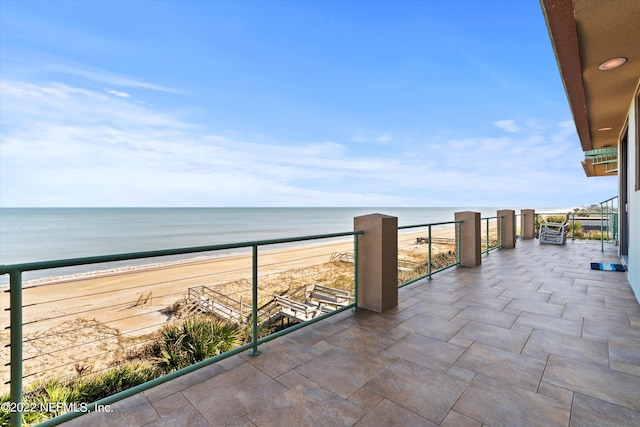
(470, 245)
(508, 228)
(528, 224)
(377, 262)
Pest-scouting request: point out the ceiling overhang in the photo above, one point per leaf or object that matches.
(585, 34)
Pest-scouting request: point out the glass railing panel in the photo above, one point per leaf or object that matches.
(490, 234)
(425, 249)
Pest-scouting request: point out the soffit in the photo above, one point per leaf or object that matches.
(584, 34)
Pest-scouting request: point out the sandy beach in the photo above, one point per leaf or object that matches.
(91, 322)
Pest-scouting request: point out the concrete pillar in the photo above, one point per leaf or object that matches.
(528, 224)
(377, 262)
(508, 228)
(470, 245)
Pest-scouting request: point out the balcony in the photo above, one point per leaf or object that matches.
(532, 337)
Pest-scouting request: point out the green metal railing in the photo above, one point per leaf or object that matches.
(15, 272)
(519, 225)
(493, 240)
(609, 210)
(607, 215)
(429, 241)
(498, 245)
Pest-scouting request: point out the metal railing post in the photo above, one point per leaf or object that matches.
(500, 231)
(254, 304)
(355, 272)
(429, 267)
(573, 228)
(458, 242)
(601, 228)
(15, 359)
(487, 247)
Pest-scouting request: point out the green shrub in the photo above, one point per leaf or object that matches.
(179, 345)
(4, 415)
(596, 235)
(555, 218)
(193, 340)
(113, 380)
(57, 394)
(56, 391)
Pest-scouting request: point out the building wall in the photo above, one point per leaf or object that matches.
(633, 272)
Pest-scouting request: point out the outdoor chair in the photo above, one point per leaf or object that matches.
(554, 232)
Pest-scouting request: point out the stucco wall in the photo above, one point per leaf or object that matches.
(634, 202)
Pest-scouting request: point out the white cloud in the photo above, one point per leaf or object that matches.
(507, 125)
(67, 146)
(58, 103)
(92, 149)
(107, 77)
(118, 93)
(380, 139)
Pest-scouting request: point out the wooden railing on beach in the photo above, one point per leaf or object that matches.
(341, 257)
(403, 265)
(436, 240)
(321, 299)
(205, 300)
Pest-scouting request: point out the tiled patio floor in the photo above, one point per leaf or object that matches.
(532, 337)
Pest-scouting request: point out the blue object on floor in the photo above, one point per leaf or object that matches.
(607, 267)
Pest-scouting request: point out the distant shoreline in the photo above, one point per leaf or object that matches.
(144, 266)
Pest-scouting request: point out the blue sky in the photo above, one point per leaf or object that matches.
(285, 103)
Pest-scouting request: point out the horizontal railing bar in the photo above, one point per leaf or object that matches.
(610, 199)
(43, 265)
(404, 227)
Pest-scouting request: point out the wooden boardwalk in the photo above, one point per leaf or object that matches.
(320, 300)
(436, 240)
(205, 300)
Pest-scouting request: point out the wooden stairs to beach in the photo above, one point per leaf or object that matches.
(320, 300)
(296, 310)
(330, 296)
(207, 301)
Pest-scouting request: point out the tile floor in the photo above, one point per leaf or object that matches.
(533, 337)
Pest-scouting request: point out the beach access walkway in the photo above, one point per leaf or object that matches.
(309, 305)
(531, 337)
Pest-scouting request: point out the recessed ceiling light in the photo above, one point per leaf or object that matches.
(603, 129)
(612, 63)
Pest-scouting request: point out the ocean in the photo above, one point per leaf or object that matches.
(44, 234)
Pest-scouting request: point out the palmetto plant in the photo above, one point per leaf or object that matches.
(114, 380)
(193, 340)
